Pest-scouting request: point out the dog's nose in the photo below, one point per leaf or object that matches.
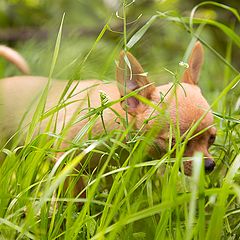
(209, 165)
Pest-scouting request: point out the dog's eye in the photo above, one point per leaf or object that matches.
(173, 142)
(211, 139)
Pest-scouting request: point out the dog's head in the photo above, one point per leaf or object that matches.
(183, 106)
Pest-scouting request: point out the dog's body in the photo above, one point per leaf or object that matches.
(17, 94)
(22, 98)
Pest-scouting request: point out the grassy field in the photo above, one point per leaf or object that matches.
(130, 196)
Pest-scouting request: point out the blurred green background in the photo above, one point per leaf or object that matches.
(31, 27)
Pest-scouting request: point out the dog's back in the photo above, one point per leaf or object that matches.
(20, 95)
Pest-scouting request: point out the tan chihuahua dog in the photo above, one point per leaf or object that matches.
(17, 94)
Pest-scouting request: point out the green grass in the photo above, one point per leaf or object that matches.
(127, 196)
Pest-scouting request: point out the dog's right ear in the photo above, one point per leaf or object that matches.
(130, 77)
(191, 75)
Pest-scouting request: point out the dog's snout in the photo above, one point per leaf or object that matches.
(209, 165)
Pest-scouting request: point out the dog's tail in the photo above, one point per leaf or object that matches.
(15, 58)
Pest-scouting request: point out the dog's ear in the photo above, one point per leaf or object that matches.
(130, 77)
(191, 75)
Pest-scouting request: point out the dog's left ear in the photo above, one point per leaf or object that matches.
(130, 77)
(191, 75)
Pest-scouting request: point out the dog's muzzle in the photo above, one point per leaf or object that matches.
(209, 165)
